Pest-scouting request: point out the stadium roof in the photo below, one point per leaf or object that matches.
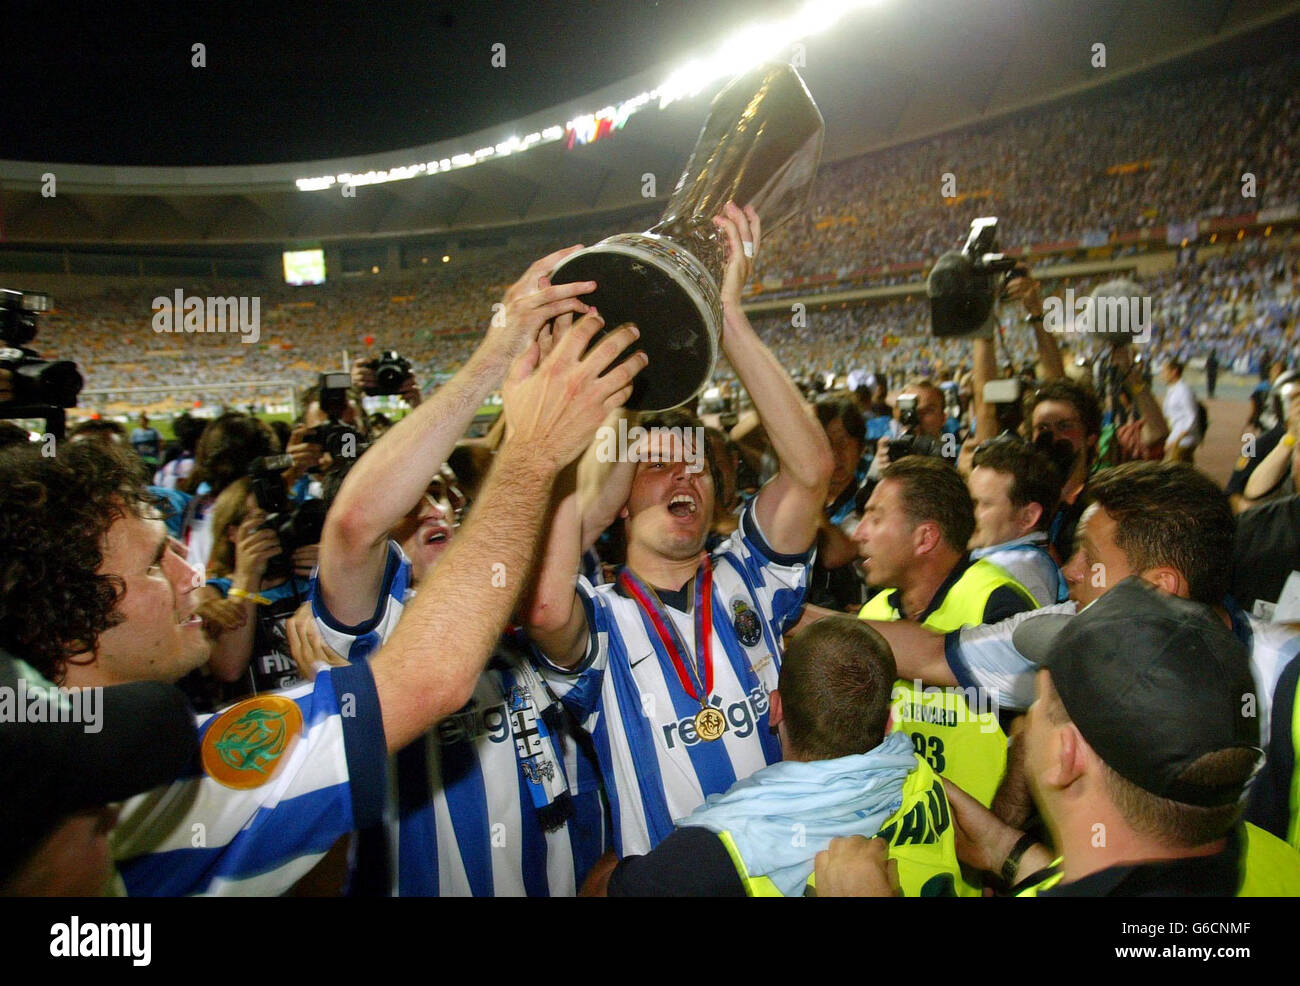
(891, 72)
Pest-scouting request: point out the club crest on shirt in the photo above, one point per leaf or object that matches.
(244, 746)
(745, 621)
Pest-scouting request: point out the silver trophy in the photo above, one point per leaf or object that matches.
(760, 146)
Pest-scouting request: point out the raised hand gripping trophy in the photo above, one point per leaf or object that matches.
(760, 146)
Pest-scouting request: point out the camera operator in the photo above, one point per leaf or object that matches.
(1065, 422)
(225, 451)
(366, 378)
(255, 583)
(997, 414)
(311, 466)
(920, 419)
(333, 410)
(1269, 475)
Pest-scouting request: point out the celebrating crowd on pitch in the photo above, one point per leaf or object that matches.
(948, 636)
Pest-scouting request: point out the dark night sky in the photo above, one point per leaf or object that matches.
(111, 83)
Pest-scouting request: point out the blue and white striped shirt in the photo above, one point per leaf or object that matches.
(197, 836)
(460, 820)
(985, 657)
(627, 694)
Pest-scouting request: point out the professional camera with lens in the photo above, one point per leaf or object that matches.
(40, 388)
(340, 440)
(295, 525)
(391, 370)
(909, 442)
(964, 285)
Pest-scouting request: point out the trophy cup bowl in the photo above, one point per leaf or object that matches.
(760, 146)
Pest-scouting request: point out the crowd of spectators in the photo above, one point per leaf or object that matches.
(1242, 302)
(1085, 169)
(1091, 167)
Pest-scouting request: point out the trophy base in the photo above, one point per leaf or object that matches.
(671, 298)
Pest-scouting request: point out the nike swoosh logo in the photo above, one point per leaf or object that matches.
(640, 661)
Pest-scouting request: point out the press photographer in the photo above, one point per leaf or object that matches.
(258, 575)
(336, 420)
(389, 375)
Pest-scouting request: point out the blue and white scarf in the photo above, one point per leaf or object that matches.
(783, 815)
(537, 727)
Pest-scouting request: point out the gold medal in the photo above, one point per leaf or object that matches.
(710, 723)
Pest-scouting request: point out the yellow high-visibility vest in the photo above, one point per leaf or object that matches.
(921, 839)
(1269, 867)
(964, 744)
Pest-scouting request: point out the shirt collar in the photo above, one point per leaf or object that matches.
(1195, 876)
(940, 594)
(1037, 539)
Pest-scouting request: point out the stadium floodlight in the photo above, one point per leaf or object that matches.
(754, 45)
(749, 47)
(817, 16)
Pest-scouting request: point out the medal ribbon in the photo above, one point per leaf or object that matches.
(653, 608)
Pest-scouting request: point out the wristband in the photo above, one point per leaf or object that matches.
(1288, 439)
(250, 596)
(1011, 864)
(1034, 879)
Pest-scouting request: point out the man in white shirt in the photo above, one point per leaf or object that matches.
(1181, 414)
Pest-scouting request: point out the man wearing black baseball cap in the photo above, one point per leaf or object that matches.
(65, 755)
(1139, 747)
(1140, 744)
